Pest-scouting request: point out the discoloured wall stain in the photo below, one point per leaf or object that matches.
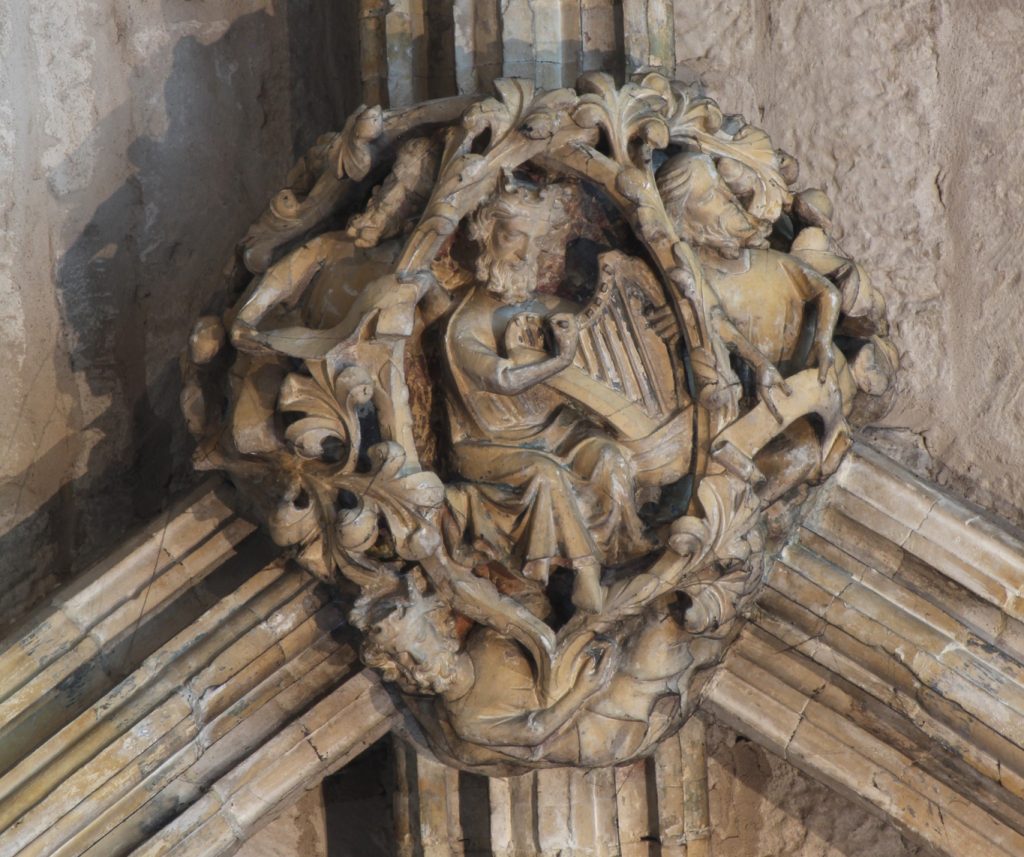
(137, 142)
(761, 806)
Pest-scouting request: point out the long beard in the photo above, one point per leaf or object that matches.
(509, 282)
(428, 678)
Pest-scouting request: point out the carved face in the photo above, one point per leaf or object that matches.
(509, 229)
(412, 641)
(704, 210)
(510, 241)
(508, 262)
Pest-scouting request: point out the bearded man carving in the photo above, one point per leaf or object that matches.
(542, 485)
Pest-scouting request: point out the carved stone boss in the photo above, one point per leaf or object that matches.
(541, 379)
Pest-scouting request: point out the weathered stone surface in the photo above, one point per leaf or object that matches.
(136, 142)
(299, 830)
(762, 805)
(901, 112)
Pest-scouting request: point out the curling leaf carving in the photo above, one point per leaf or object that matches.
(354, 155)
(405, 501)
(631, 117)
(329, 408)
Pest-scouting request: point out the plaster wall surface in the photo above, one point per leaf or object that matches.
(761, 806)
(300, 830)
(137, 141)
(909, 115)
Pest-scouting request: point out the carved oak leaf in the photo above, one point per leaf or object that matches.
(353, 155)
(715, 604)
(309, 434)
(536, 115)
(546, 113)
(500, 115)
(405, 502)
(730, 509)
(694, 110)
(728, 533)
(368, 139)
(696, 547)
(697, 120)
(634, 125)
(521, 125)
(657, 82)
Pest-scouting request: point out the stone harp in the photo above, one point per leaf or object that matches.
(624, 373)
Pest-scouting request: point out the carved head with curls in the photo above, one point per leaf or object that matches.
(703, 207)
(510, 227)
(410, 638)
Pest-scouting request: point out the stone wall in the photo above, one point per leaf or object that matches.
(137, 141)
(909, 114)
(761, 806)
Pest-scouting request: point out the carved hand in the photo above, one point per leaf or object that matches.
(597, 671)
(768, 378)
(825, 357)
(247, 338)
(566, 332)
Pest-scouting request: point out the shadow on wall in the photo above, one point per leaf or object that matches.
(238, 111)
(324, 64)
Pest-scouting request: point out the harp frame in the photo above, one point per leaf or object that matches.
(625, 371)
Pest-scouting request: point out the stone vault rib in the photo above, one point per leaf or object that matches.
(884, 658)
(315, 745)
(217, 722)
(657, 806)
(69, 652)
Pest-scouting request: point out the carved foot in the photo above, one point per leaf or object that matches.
(245, 337)
(587, 592)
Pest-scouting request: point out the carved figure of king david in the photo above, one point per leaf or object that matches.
(542, 487)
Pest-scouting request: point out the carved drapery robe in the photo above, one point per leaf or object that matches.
(541, 485)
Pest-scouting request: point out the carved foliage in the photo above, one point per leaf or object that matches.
(543, 468)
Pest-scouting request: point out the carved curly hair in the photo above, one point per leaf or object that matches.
(384, 621)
